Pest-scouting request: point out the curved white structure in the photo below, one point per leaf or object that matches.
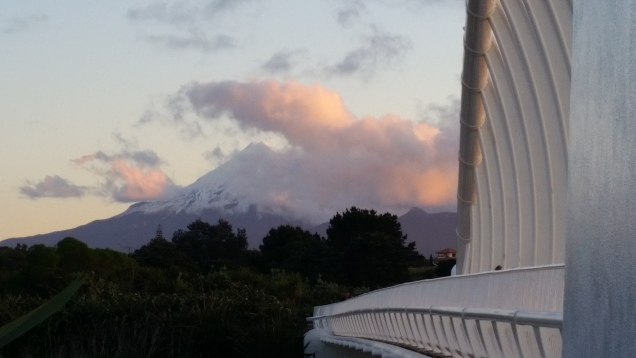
(512, 313)
(511, 204)
(514, 118)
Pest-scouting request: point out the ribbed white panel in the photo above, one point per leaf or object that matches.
(519, 213)
(532, 289)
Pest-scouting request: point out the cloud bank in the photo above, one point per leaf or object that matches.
(52, 187)
(21, 24)
(128, 176)
(376, 51)
(185, 25)
(334, 159)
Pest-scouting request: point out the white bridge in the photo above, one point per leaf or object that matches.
(453, 317)
(517, 194)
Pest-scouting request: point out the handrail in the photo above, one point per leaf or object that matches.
(509, 313)
(448, 331)
(519, 317)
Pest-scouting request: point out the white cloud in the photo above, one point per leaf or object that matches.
(376, 51)
(334, 160)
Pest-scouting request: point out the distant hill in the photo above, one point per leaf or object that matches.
(131, 230)
(431, 232)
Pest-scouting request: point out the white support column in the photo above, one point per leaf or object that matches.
(477, 41)
(600, 278)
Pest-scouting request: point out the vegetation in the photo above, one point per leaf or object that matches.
(202, 293)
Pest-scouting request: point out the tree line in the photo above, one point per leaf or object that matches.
(201, 285)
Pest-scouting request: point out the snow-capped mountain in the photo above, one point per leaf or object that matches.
(216, 196)
(194, 199)
(208, 192)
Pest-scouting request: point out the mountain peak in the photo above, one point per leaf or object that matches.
(212, 190)
(415, 211)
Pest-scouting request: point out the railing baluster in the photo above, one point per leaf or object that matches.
(399, 321)
(424, 335)
(453, 331)
(395, 329)
(476, 338)
(491, 339)
(433, 333)
(410, 331)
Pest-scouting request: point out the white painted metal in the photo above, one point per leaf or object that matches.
(511, 199)
(511, 203)
(509, 313)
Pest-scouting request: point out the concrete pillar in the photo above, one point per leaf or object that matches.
(600, 274)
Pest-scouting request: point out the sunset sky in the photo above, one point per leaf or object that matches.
(107, 103)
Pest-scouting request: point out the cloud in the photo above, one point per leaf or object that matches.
(280, 62)
(52, 187)
(193, 38)
(128, 183)
(175, 14)
(334, 159)
(131, 175)
(302, 114)
(184, 25)
(218, 155)
(350, 11)
(213, 8)
(21, 24)
(378, 50)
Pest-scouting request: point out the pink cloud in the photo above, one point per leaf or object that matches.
(335, 160)
(128, 176)
(305, 115)
(138, 184)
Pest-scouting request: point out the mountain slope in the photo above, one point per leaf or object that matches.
(431, 232)
(215, 196)
(133, 228)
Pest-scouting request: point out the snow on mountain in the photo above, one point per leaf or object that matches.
(208, 192)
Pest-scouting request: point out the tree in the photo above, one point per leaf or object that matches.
(41, 269)
(163, 254)
(211, 245)
(74, 255)
(297, 250)
(12, 262)
(371, 248)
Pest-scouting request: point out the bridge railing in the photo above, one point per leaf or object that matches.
(514, 313)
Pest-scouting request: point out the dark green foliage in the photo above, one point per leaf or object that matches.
(199, 294)
(158, 303)
(164, 254)
(296, 250)
(74, 256)
(28, 321)
(239, 321)
(371, 248)
(41, 270)
(211, 245)
(12, 260)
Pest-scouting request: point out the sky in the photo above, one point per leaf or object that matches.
(107, 103)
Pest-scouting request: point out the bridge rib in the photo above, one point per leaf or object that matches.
(517, 175)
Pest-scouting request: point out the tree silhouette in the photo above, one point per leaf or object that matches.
(370, 247)
(297, 250)
(211, 245)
